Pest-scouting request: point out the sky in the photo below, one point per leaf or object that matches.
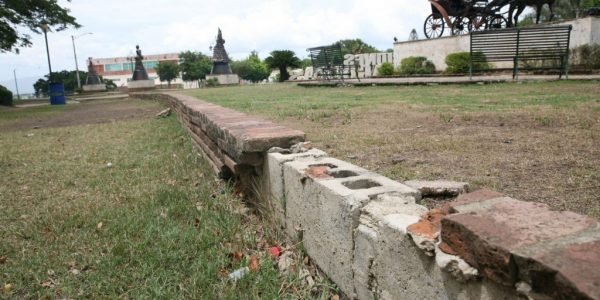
(173, 26)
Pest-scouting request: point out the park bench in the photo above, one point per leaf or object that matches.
(535, 48)
(328, 62)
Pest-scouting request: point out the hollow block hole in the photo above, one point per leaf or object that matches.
(361, 184)
(342, 173)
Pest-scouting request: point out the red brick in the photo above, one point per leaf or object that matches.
(568, 272)
(476, 196)
(487, 238)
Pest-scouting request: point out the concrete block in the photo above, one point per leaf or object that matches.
(324, 197)
(438, 188)
(273, 183)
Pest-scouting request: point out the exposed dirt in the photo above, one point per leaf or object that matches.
(89, 112)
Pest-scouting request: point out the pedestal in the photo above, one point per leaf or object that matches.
(228, 79)
(94, 88)
(141, 85)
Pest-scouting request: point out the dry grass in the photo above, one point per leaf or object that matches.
(535, 142)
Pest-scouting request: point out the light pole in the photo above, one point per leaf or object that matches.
(16, 84)
(45, 28)
(75, 55)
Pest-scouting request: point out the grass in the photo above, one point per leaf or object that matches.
(532, 141)
(125, 210)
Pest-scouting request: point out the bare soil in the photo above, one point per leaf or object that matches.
(89, 112)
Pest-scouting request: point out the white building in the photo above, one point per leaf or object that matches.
(120, 69)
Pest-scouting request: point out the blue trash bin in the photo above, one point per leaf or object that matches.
(57, 94)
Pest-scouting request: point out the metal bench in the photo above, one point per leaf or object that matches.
(328, 62)
(540, 43)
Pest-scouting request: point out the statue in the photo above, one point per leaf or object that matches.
(220, 58)
(92, 77)
(139, 73)
(413, 35)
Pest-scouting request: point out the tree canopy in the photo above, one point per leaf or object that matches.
(167, 71)
(356, 46)
(68, 78)
(194, 65)
(16, 15)
(251, 68)
(283, 59)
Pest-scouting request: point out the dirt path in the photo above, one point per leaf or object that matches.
(90, 112)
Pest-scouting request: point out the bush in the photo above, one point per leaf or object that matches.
(6, 96)
(386, 69)
(212, 82)
(416, 65)
(587, 56)
(459, 63)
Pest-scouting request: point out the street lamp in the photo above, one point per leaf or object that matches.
(75, 55)
(45, 27)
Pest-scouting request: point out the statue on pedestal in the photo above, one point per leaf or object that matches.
(220, 57)
(92, 77)
(139, 73)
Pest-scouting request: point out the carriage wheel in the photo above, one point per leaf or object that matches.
(434, 26)
(477, 23)
(496, 22)
(460, 26)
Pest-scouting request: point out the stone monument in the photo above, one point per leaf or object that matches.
(93, 82)
(221, 69)
(140, 79)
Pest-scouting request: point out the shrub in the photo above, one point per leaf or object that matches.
(212, 82)
(416, 65)
(459, 63)
(386, 69)
(587, 56)
(6, 96)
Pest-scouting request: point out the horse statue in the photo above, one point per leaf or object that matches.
(520, 5)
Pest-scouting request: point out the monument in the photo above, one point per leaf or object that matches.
(221, 69)
(93, 82)
(140, 79)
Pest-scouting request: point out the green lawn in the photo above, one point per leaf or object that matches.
(533, 141)
(125, 210)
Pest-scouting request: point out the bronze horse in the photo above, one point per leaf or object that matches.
(520, 5)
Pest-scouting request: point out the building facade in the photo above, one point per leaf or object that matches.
(120, 69)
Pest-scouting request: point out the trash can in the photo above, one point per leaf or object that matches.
(57, 94)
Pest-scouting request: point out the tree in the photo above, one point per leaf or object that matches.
(167, 71)
(251, 68)
(283, 59)
(356, 46)
(18, 14)
(67, 78)
(194, 66)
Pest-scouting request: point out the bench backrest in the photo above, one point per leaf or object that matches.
(548, 42)
(326, 56)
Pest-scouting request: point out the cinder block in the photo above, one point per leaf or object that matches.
(273, 183)
(324, 198)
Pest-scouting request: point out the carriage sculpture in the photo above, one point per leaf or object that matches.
(462, 16)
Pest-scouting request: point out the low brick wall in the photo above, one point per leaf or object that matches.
(371, 236)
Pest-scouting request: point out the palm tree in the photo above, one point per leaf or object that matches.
(283, 59)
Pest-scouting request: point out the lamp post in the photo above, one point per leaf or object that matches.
(75, 55)
(45, 28)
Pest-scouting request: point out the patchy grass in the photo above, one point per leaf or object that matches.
(126, 210)
(533, 141)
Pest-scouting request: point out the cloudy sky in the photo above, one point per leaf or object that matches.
(165, 26)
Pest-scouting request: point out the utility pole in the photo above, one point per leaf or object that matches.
(45, 28)
(16, 84)
(75, 55)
